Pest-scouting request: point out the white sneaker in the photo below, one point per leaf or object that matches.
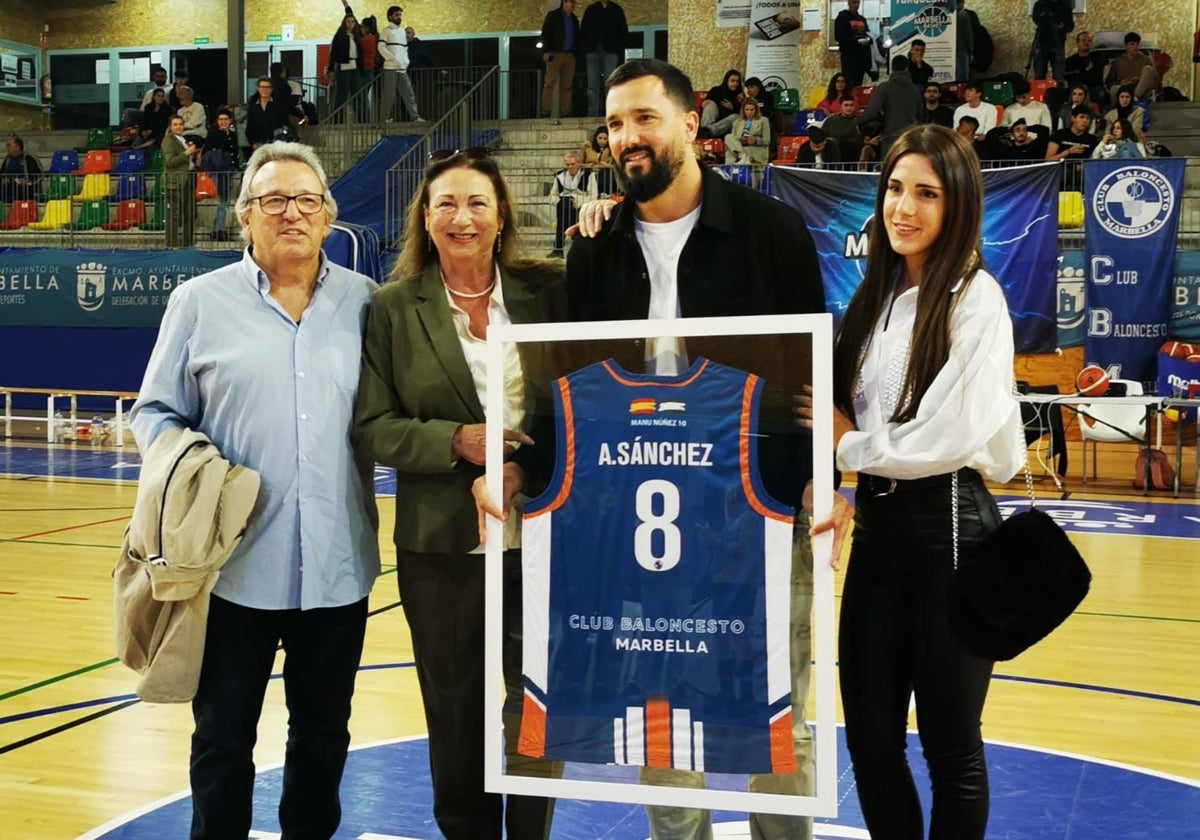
(419, 119)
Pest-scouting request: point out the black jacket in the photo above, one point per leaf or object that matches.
(261, 122)
(605, 29)
(748, 255)
(553, 34)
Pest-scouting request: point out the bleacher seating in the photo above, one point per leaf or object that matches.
(998, 93)
(206, 187)
(94, 188)
(92, 214)
(56, 215)
(802, 120)
(952, 93)
(20, 213)
(862, 96)
(64, 162)
(58, 186)
(1038, 88)
(94, 162)
(789, 148)
(130, 185)
(130, 214)
(816, 96)
(786, 100)
(1070, 209)
(131, 160)
(99, 138)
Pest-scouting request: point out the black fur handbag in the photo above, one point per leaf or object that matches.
(1017, 586)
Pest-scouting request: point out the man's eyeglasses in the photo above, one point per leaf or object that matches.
(471, 153)
(276, 205)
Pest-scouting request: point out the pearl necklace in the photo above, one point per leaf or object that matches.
(469, 295)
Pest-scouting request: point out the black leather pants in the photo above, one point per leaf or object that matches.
(895, 641)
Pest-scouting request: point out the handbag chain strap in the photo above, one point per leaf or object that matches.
(954, 498)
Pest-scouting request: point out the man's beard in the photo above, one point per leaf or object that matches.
(648, 185)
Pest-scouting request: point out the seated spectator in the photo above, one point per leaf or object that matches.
(921, 72)
(158, 79)
(1119, 142)
(1127, 109)
(20, 174)
(721, 106)
(843, 128)
(872, 140)
(766, 106)
(573, 186)
(264, 115)
(1132, 68)
(1086, 68)
(749, 139)
(834, 94)
(156, 116)
(968, 127)
(819, 151)
(1077, 96)
(1073, 145)
(1026, 108)
(221, 156)
(597, 157)
(1018, 142)
(195, 120)
(984, 113)
(181, 79)
(932, 109)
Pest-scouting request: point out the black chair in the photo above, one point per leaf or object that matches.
(1041, 419)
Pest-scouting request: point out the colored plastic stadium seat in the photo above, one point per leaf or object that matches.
(99, 138)
(862, 95)
(739, 173)
(58, 186)
(155, 164)
(952, 93)
(1070, 209)
(131, 160)
(803, 120)
(1038, 88)
(130, 214)
(159, 219)
(786, 100)
(64, 162)
(95, 162)
(56, 215)
(789, 148)
(816, 95)
(713, 147)
(206, 187)
(92, 214)
(998, 93)
(698, 97)
(130, 185)
(94, 187)
(20, 214)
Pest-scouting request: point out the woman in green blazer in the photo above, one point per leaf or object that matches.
(420, 409)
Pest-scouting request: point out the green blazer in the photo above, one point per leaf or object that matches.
(415, 390)
(175, 162)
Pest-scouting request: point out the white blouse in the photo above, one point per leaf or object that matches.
(968, 417)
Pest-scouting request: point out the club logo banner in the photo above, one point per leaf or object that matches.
(932, 21)
(1132, 217)
(1020, 237)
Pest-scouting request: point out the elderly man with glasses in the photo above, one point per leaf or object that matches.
(262, 357)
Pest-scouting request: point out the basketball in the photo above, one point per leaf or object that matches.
(1194, 357)
(1092, 381)
(1178, 349)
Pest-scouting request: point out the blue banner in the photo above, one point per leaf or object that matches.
(1185, 297)
(46, 287)
(932, 21)
(1130, 221)
(1020, 237)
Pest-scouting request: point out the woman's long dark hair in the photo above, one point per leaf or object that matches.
(595, 144)
(831, 92)
(954, 256)
(1124, 112)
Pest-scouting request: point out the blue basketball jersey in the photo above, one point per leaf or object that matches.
(656, 579)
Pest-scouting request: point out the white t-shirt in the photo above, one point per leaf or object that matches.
(662, 243)
(985, 112)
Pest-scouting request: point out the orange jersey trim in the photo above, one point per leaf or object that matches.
(532, 739)
(633, 384)
(564, 489)
(658, 733)
(744, 431)
(783, 753)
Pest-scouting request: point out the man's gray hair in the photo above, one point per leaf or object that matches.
(268, 152)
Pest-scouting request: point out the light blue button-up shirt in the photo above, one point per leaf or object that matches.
(278, 397)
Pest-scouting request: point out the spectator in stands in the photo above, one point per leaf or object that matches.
(288, 93)
(1077, 96)
(345, 63)
(1119, 142)
(20, 173)
(220, 156)
(262, 356)
(1026, 108)
(819, 150)
(603, 33)
(264, 115)
(195, 119)
(1133, 68)
(754, 89)
(835, 92)
(419, 57)
(1073, 145)
(932, 109)
(179, 159)
(560, 42)
(1127, 109)
(854, 43)
(842, 127)
(749, 138)
(156, 115)
(1019, 141)
(158, 79)
(393, 46)
(872, 139)
(721, 106)
(1052, 20)
(1086, 68)
(964, 42)
(967, 126)
(371, 59)
(573, 185)
(984, 113)
(181, 79)
(897, 101)
(597, 157)
(920, 71)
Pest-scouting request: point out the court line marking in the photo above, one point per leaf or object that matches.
(26, 541)
(69, 528)
(1120, 692)
(33, 739)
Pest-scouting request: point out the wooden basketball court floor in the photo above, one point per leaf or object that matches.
(1118, 684)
